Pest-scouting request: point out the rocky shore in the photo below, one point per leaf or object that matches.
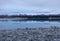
(31, 34)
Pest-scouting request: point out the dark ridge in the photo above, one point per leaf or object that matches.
(34, 17)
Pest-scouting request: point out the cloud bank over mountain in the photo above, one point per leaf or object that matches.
(30, 6)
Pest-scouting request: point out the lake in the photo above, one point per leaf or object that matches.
(9, 24)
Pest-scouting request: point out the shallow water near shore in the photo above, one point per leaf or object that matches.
(9, 24)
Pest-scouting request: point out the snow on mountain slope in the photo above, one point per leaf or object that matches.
(30, 7)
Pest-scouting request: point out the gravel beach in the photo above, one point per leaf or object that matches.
(31, 34)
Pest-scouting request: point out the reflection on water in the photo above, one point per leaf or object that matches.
(8, 24)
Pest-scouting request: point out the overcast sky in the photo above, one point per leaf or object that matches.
(30, 6)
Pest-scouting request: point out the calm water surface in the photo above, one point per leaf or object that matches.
(30, 24)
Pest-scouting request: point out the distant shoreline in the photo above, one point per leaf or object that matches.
(32, 17)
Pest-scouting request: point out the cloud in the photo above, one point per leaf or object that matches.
(29, 6)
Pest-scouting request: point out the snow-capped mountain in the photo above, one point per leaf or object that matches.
(30, 7)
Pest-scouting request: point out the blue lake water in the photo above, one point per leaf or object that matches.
(8, 24)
